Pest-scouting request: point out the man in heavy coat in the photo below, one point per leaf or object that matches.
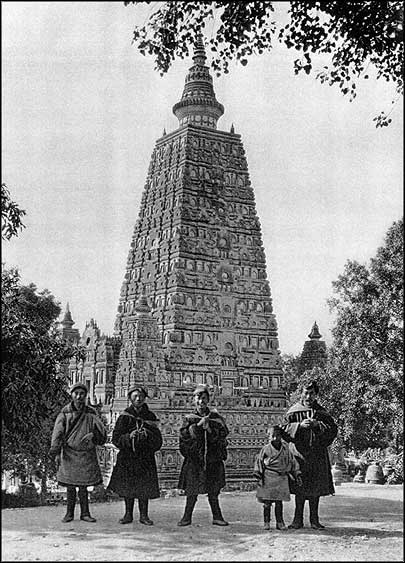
(77, 431)
(137, 436)
(203, 446)
(311, 430)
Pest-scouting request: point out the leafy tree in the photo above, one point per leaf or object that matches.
(11, 215)
(290, 374)
(34, 387)
(33, 351)
(357, 35)
(363, 381)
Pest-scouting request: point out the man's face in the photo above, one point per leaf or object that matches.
(308, 396)
(79, 398)
(137, 398)
(201, 401)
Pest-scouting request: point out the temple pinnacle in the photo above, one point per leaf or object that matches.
(315, 334)
(198, 104)
(67, 321)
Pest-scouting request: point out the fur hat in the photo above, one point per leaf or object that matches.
(311, 385)
(79, 385)
(201, 388)
(137, 388)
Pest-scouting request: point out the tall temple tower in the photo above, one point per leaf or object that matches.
(195, 304)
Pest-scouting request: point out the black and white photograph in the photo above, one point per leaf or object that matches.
(202, 281)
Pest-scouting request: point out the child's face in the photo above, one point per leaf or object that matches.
(274, 436)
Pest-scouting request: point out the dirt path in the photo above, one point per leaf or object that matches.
(364, 523)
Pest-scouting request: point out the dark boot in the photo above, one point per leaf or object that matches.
(279, 515)
(143, 512)
(217, 517)
(298, 521)
(71, 502)
(84, 505)
(266, 515)
(129, 511)
(313, 514)
(188, 511)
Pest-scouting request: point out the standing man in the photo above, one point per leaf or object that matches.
(203, 446)
(137, 436)
(311, 430)
(78, 430)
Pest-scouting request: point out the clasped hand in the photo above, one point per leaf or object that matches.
(135, 433)
(204, 423)
(309, 423)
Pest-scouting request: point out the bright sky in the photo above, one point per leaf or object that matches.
(82, 110)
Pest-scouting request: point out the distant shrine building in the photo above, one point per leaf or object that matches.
(314, 351)
(195, 304)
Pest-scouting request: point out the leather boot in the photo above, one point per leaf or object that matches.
(143, 512)
(188, 511)
(71, 502)
(129, 511)
(84, 505)
(266, 515)
(279, 515)
(217, 517)
(313, 514)
(298, 521)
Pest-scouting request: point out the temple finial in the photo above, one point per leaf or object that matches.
(199, 57)
(315, 334)
(67, 321)
(198, 104)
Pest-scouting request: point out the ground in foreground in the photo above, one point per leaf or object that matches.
(364, 523)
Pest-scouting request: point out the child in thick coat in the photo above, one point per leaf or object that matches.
(273, 465)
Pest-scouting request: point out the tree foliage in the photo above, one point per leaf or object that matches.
(11, 215)
(358, 36)
(291, 376)
(33, 353)
(363, 381)
(33, 385)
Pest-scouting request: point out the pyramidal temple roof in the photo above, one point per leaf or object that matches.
(198, 104)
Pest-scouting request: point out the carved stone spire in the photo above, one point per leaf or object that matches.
(66, 327)
(198, 104)
(67, 321)
(315, 334)
(314, 351)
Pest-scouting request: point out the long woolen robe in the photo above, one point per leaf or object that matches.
(203, 469)
(310, 448)
(272, 467)
(135, 473)
(75, 437)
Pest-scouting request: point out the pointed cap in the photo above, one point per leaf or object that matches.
(67, 321)
(315, 334)
(198, 104)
